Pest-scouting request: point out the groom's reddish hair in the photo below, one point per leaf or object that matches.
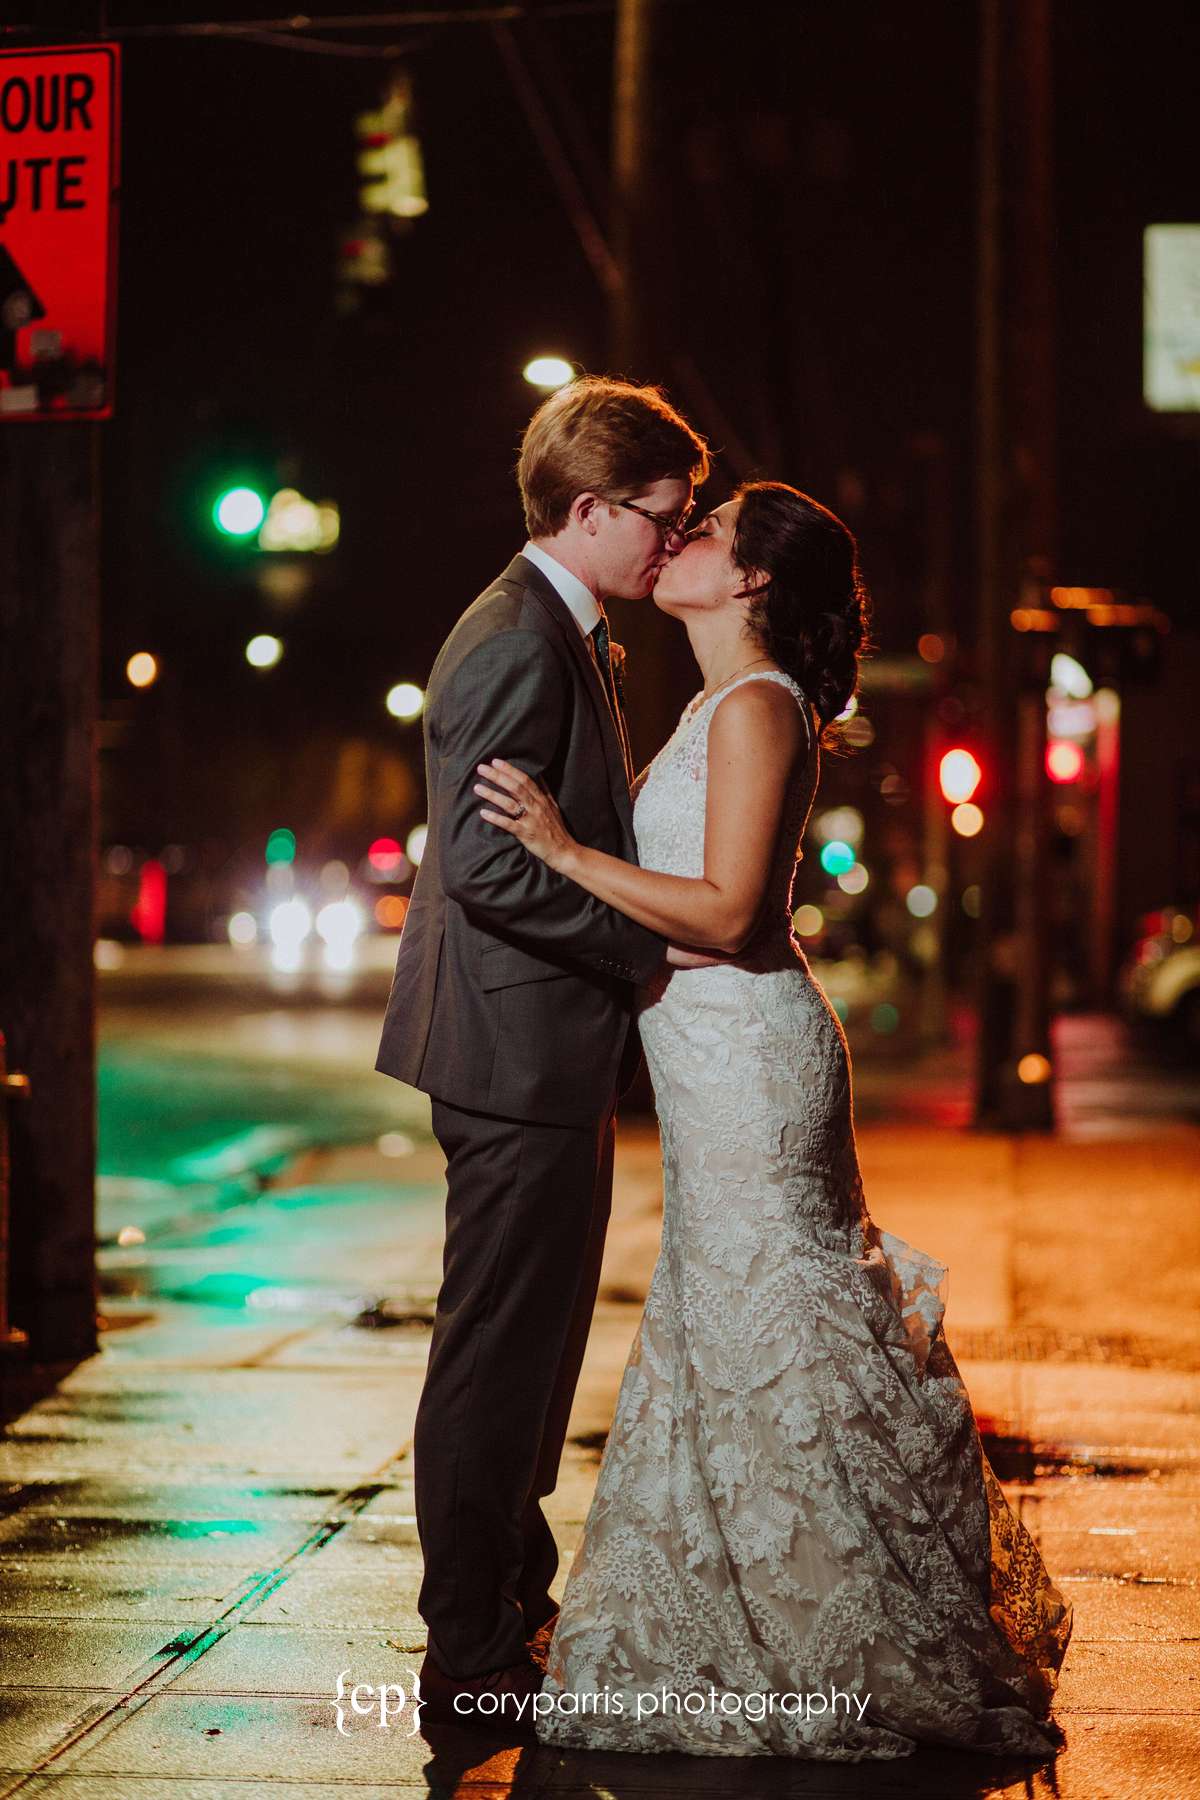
(602, 436)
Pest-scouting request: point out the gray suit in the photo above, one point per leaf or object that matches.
(512, 1006)
(512, 987)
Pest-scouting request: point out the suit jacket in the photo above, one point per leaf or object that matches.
(513, 990)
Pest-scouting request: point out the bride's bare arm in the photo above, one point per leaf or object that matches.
(754, 737)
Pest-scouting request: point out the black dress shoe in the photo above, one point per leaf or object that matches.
(500, 1702)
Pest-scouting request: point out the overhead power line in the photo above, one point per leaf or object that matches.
(292, 32)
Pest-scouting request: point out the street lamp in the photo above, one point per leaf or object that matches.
(264, 651)
(548, 372)
(406, 701)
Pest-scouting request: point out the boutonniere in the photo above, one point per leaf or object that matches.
(616, 656)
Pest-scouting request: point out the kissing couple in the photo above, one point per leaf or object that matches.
(793, 1493)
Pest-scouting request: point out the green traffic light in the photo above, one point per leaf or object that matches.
(239, 511)
(281, 846)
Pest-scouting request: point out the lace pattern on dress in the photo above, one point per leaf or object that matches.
(793, 1493)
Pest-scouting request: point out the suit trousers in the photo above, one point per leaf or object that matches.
(527, 1212)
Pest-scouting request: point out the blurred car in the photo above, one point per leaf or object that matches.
(1160, 978)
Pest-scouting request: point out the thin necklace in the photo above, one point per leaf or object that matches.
(708, 693)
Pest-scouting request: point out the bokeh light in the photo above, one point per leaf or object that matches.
(845, 822)
(960, 774)
(414, 847)
(394, 1143)
(296, 524)
(1064, 760)
(858, 732)
(339, 922)
(243, 928)
(1033, 1069)
(289, 924)
(264, 651)
(808, 921)
(1108, 706)
(837, 857)
(339, 925)
(281, 846)
(1069, 676)
(406, 700)
(239, 511)
(142, 669)
(921, 901)
(853, 880)
(1071, 718)
(967, 819)
(548, 372)
(391, 910)
(385, 855)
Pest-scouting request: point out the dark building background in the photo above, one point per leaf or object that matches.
(809, 290)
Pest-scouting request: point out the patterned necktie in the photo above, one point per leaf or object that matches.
(600, 639)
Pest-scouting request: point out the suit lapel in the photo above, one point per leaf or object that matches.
(527, 576)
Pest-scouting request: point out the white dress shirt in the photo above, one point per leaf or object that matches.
(587, 613)
(583, 605)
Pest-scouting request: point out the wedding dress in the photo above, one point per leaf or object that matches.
(793, 1497)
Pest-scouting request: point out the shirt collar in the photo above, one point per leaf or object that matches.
(583, 605)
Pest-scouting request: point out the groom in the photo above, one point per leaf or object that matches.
(512, 1007)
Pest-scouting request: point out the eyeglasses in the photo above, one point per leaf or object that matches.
(667, 523)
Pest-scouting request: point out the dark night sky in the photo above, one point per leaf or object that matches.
(815, 264)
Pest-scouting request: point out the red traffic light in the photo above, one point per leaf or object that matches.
(385, 855)
(1064, 760)
(959, 774)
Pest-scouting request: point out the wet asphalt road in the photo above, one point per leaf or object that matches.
(203, 1524)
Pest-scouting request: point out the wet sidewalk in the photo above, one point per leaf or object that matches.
(209, 1522)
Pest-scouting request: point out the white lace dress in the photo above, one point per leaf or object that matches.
(793, 1499)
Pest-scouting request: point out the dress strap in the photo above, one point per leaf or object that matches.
(778, 675)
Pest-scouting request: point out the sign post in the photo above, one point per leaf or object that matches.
(58, 181)
(58, 192)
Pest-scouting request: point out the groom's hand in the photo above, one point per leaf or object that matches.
(679, 958)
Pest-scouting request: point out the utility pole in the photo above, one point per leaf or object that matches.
(635, 349)
(55, 383)
(49, 629)
(1015, 549)
(632, 173)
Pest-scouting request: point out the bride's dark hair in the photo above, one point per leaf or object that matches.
(812, 614)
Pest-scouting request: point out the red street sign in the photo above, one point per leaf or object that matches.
(58, 192)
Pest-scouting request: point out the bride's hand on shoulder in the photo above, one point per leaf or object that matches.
(523, 808)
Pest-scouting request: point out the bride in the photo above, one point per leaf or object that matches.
(796, 1545)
